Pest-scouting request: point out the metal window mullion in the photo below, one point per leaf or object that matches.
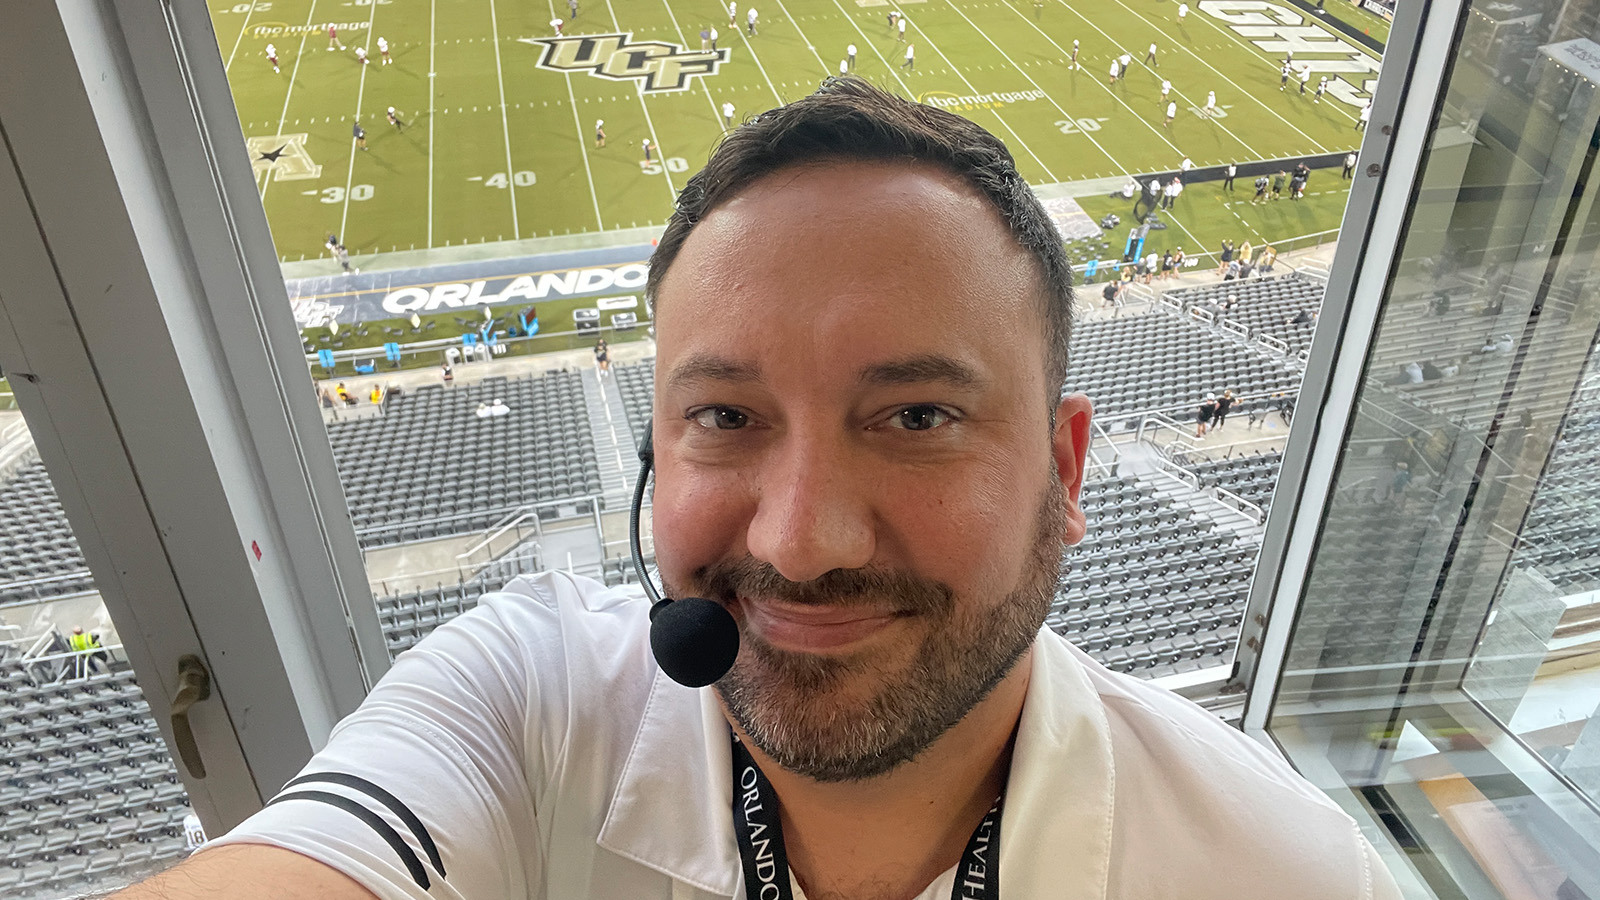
(1409, 92)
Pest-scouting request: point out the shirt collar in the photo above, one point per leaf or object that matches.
(672, 807)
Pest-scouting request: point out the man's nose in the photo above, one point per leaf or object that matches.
(814, 514)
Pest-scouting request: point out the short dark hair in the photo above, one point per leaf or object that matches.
(850, 119)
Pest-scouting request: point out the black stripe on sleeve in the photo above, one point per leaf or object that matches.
(358, 783)
(392, 837)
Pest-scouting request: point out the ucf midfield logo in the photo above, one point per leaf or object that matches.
(658, 66)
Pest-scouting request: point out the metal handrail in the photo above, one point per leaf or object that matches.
(1234, 501)
(1173, 470)
(1276, 345)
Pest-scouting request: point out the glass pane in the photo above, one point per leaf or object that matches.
(1443, 661)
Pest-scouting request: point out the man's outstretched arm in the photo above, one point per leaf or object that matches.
(247, 872)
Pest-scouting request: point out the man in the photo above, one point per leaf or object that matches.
(599, 133)
(1305, 76)
(900, 25)
(750, 20)
(1366, 113)
(1172, 113)
(1166, 88)
(333, 38)
(1261, 190)
(911, 57)
(361, 55)
(727, 114)
(1210, 110)
(272, 57)
(705, 40)
(714, 39)
(572, 6)
(395, 120)
(1283, 76)
(649, 147)
(360, 134)
(1150, 55)
(850, 56)
(1349, 167)
(1228, 175)
(733, 15)
(1322, 88)
(831, 480)
(1277, 183)
(557, 25)
(1116, 70)
(1183, 12)
(383, 50)
(1074, 61)
(89, 652)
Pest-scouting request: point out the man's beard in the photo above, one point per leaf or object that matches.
(848, 718)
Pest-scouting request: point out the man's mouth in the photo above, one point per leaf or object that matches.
(813, 628)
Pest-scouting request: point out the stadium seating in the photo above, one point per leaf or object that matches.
(87, 790)
(1252, 476)
(1260, 306)
(39, 557)
(1159, 362)
(1153, 589)
(431, 467)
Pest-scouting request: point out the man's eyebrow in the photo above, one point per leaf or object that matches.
(706, 367)
(922, 369)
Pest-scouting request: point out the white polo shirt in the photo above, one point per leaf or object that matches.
(532, 749)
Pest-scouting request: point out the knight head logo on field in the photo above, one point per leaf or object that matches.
(658, 66)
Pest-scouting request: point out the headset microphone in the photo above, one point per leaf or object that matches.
(695, 640)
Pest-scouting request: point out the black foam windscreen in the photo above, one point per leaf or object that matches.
(695, 641)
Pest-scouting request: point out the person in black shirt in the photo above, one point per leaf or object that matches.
(1202, 418)
(1224, 403)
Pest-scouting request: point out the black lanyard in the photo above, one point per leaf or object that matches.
(766, 865)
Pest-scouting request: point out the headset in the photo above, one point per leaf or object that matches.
(695, 640)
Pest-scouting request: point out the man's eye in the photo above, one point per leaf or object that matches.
(919, 418)
(725, 418)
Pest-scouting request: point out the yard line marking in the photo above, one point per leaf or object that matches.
(350, 174)
(716, 114)
(229, 64)
(923, 36)
(1208, 65)
(583, 148)
(290, 92)
(433, 10)
(505, 127)
(1251, 150)
(757, 58)
(813, 47)
(672, 189)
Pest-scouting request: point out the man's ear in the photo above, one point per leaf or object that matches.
(1070, 446)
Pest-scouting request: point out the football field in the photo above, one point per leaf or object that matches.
(499, 113)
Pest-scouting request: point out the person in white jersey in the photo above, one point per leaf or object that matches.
(272, 56)
(727, 114)
(1210, 109)
(878, 496)
(383, 50)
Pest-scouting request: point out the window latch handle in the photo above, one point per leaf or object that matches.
(194, 685)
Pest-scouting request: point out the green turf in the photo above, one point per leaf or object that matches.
(1352, 13)
(1207, 215)
(436, 185)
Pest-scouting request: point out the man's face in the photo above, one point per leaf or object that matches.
(854, 455)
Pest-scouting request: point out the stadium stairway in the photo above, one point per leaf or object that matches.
(614, 440)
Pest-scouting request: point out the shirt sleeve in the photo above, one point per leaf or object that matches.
(422, 792)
